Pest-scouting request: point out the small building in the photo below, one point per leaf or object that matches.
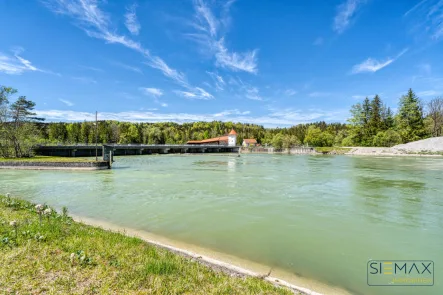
(249, 142)
(229, 140)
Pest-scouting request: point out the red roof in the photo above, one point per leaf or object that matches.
(215, 139)
(232, 132)
(251, 140)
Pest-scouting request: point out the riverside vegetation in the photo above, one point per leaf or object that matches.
(43, 251)
(372, 123)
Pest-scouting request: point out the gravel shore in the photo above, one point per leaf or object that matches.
(425, 147)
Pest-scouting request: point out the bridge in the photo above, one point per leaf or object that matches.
(130, 149)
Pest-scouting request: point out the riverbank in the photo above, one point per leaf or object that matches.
(52, 163)
(53, 253)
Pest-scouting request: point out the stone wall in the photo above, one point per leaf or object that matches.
(55, 165)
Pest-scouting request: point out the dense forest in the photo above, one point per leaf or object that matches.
(371, 123)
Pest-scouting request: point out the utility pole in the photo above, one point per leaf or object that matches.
(96, 125)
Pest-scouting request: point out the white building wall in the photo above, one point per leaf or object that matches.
(232, 140)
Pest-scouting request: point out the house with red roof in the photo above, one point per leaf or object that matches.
(229, 140)
(249, 142)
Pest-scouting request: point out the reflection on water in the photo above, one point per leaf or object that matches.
(318, 216)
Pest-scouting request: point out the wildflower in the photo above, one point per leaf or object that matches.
(39, 207)
(13, 223)
(47, 211)
(8, 195)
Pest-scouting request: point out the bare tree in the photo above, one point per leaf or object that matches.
(435, 112)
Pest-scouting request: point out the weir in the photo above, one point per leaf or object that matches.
(130, 149)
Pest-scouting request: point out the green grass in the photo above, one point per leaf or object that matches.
(337, 150)
(48, 159)
(60, 256)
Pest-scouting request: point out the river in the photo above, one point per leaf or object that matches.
(319, 217)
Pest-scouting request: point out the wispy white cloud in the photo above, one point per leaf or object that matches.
(245, 90)
(66, 102)
(198, 93)
(290, 92)
(97, 24)
(151, 91)
(209, 35)
(127, 67)
(91, 68)
(372, 65)
(435, 16)
(428, 93)
(345, 14)
(218, 80)
(415, 7)
(86, 80)
(252, 93)
(427, 16)
(276, 117)
(156, 93)
(131, 21)
(17, 65)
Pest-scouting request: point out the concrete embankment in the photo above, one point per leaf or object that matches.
(26, 165)
(270, 150)
(223, 262)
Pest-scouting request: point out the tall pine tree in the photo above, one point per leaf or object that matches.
(375, 123)
(410, 119)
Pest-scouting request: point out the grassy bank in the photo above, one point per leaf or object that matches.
(49, 159)
(49, 253)
(332, 150)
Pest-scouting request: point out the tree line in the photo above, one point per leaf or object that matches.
(371, 123)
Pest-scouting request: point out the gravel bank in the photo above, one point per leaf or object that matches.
(425, 147)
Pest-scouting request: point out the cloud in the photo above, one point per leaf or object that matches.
(372, 65)
(218, 80)
(151, 91)
(131, 21)
(164, 105)
(85, 80)
(276, 117)
(290, 92)
(415, 7)
(428, 18)
(245, 89)
(17, 65)
(199, 93)
(97, 24)
(428, 93)
(66, 102)
(252, 93)
(127, 67)
(345, 13)
(91, 68)
(208, 34)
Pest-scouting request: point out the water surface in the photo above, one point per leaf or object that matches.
(319, 217)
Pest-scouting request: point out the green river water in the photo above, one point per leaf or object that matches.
(320, 217)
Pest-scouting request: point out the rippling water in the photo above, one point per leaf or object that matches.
(316, 216)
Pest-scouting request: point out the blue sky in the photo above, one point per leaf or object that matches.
(274, 63)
